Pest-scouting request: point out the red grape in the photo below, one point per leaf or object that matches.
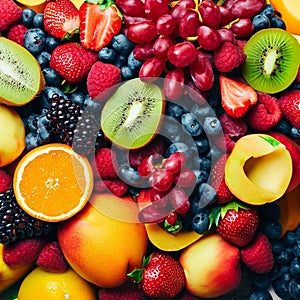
(156, 8)
(147, 165)
(201, 72)
(174, 83)
(129, 20)
(226, 15)
(242, 28)
(175, 162)
(143, 51)
(197, 95)
(171, 218)
(161, 180)
(210, 14)
(165, 24)
(247, 8)
(152, 68)
(133, 8)
(188, 24)
(185, 178)
(161, 47)
(208, 38)
(158, 199)
(152, 214)
(226, 35)
(181, 8)
(179, 200)
(182, 54)
(142, 32)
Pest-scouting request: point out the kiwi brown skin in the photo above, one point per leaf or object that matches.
(40, 77)
(279, 51)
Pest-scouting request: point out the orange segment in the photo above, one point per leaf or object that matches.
(52, 182)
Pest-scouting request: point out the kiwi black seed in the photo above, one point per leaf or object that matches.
(131, 116)
(273, 57)
(20, 74)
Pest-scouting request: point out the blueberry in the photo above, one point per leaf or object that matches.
(52, 43)
(260, 22)
(260, 281)
(27, 17)
(43, 135)
(32, 122)
(215, 153)
(283, 126)
(202, 144)
(207, 194)
(178, 147)
(172, 131)
(200, 223)
(48, 93)
(131, 176)
(133, 63)
(34, 40)
(284, 257)
(281, 287)
(120, 61)
(31, 141)
(122, 44)
(201, 176)
(174, 110)
(126, 73)
(268, 11)
(78, 98)
(42, 120)
(294, 288)
(277, 247)
(212, 126)
(295, 132)
(52, 78)
(295, 268)
(38, 21)
(107, 55)
(297, 251)
(271, 229)
(260, 295)
(277, 23)
(43, 59)
(289, 239)
(190, 124)
(92, 105)
(202, 111)
(204, 163)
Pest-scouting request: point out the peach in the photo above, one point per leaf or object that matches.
(12, 135)
(211, 266)
(100, 245)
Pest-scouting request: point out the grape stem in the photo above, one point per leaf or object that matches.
(228, 26)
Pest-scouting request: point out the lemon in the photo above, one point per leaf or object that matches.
(40, 284)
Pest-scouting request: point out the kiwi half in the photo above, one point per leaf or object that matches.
(20, 74)
(131, 116)
(273, 57)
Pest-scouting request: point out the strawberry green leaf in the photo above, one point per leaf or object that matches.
(214, 216)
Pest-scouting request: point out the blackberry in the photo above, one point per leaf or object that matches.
(17, 224)
(73, 125)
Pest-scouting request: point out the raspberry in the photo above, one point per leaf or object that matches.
(228, 56)
(52, 259)
(115, 185)
(10, 13)
(102, 79)
(265, 114)
(16, 33)
(106, 163)
(23, 251)
(290, 107)
(5, 181)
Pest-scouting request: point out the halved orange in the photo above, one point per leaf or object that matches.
(53, 182)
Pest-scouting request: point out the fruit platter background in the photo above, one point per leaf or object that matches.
(149, 149)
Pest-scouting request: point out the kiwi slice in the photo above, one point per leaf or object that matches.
(272, 60)
(20, 74)
(131, 116)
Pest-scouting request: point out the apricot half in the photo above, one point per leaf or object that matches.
(259, 169)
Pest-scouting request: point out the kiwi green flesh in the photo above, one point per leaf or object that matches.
(20, 74)
(131, 116)
(273, 57)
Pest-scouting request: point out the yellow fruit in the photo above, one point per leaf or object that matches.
(12, 135)
(290, 14)
(77, 3)
(10, 275)
(53, 182)
(36, 5)
(100, 248)
(40, 284)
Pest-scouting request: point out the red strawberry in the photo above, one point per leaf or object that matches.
(258, 255)
(72, 61)
(16, 33)
(10, 13)
(5, 180)
(218, 181)
(102, 80)
(52, 259)
(126, 291)
(290, 107)
(161, 276)
(23, 251)
(236, 222)
(99, 22)
(236, 97)
(61, 18)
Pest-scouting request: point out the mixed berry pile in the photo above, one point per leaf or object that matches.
(201, 49)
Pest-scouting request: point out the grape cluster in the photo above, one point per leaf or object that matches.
(169, 181)
(178, 41)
